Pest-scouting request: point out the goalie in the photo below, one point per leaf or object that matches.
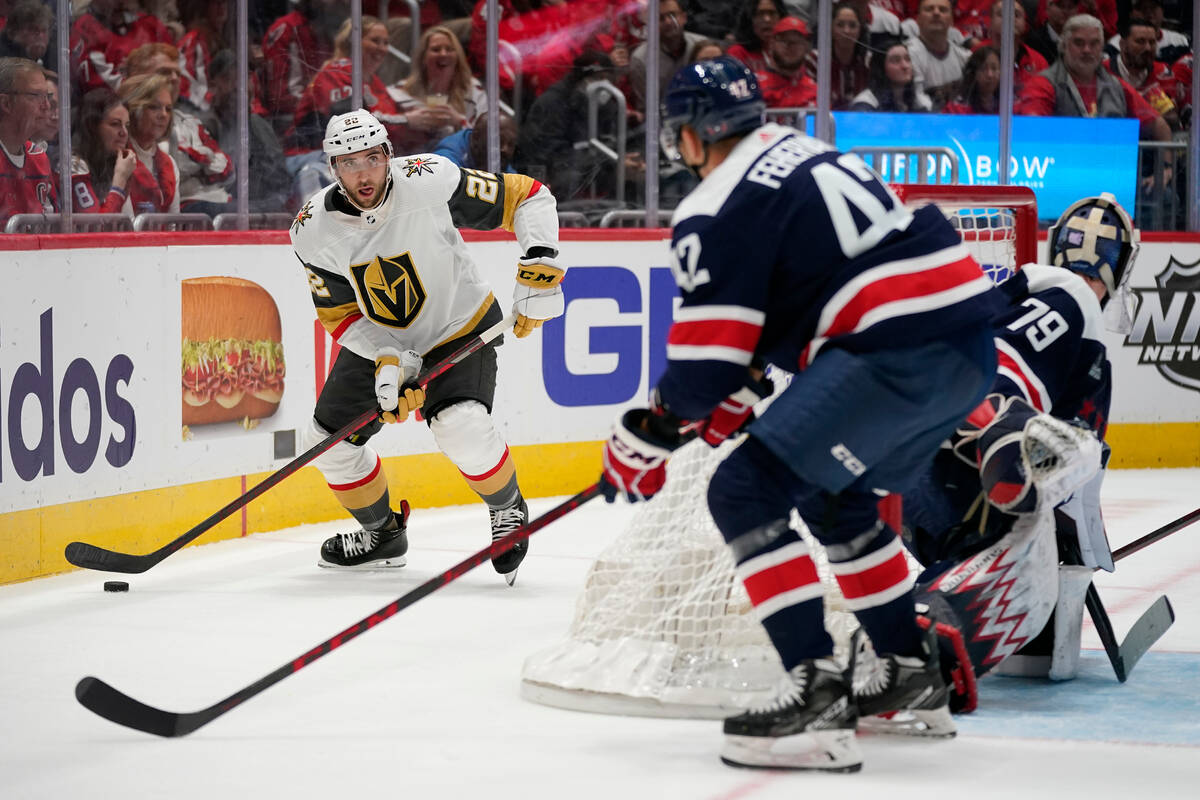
(1016, 490)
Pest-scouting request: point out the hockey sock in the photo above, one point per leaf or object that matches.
(751, 509)
(467, 435)
(873, 574)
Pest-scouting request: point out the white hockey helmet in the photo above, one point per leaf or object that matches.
(1096, 237)
(354, 132)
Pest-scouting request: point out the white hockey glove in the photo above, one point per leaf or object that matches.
(396, 389)
(538, 296)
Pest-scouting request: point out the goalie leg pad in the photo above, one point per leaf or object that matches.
(1001, 597)
(466, 433)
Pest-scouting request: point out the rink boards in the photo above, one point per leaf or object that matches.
(92, 440)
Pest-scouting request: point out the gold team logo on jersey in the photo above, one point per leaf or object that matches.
(418, 166)
(391, 291)
(304, 215)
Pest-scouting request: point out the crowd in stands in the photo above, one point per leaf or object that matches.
(154, 100)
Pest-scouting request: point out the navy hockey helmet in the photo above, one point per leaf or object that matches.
(1096, 237)
(717, 97)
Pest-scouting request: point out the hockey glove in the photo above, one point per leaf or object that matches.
(396, 389)
(538, 296)
(735, 412)
(635, 456)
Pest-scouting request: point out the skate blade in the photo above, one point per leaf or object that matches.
(383, 563)
(815, 751)
(510, 577)
(922, 723)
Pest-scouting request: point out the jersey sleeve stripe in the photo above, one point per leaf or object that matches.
(1012, 366)
(336, 320)
(739, 335)
(717, 313)
(517, 189)
(710, 353)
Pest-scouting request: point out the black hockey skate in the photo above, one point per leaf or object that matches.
(809, 726)
(904, 695)
(505, 521)
(365, 549)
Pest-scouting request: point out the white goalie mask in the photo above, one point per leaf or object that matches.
(354, 132)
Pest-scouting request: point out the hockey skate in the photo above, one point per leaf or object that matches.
(809, 726)
(365, 549)
(904, 695)
(505, 521)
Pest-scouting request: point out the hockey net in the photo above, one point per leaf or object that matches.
(663, 627)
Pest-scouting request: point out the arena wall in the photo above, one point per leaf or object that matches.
(92, 444)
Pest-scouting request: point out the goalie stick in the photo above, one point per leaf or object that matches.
(115, 706)
(90, 556)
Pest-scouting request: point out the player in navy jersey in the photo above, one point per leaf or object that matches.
(794, 254)
(994, 496)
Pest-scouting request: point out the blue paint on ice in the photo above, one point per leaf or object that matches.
(1158, 704)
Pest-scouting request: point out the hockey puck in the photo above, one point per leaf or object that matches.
(116, 586)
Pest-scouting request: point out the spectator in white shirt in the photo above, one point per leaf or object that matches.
(937, 62)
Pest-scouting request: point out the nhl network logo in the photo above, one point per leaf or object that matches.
(1167, 322)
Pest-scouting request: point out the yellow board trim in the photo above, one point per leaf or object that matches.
(32, 542)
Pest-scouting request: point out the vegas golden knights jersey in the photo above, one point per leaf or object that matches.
(399, 276)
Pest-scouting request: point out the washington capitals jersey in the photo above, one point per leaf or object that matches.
(1048, 345)
(789, 247)
(399, 276)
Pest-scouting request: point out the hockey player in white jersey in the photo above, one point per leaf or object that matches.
(394, 284)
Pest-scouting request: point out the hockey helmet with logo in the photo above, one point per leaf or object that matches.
(717, 98)
(1096, 237)
(350, 133)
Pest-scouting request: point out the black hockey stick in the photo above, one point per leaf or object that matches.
(100, 698)
(1148, 629)
(89, 556)
(1153, 536)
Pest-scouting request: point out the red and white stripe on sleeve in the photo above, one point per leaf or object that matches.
(715, 333)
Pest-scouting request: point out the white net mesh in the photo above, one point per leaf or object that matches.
(663, 626)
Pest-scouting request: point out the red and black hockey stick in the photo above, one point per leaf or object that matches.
(89, 556)
(115, 706)
(1153, 536)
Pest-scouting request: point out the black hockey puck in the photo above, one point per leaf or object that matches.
(116, 586)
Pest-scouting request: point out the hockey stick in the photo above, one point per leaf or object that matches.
(90, 556)
(1155, 535)
(1148, 629)
(115, 706)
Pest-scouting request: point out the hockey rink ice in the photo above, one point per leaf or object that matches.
(427, 705)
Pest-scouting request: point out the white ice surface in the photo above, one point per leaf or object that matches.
(427, 704)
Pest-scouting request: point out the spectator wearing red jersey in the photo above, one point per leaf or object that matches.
(1135, 64)
(440, 97)
(753, 31)
(785, 83)
(890, 84)
(149, 99)
(294, 48)
(980, 90)
(1182, 70)
(102, 162)
(330, 93)
(849, 71)
(204, 168)
(1027, 62)
(205, 21)
(104, 35)
(26, 179)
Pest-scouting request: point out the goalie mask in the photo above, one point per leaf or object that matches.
(351, 133)
(1096, 237)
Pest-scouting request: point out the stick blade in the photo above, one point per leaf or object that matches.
(115, 706)
(1145, 632)
(88, 556)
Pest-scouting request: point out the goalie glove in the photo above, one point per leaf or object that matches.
(396, 389)
(635, 455)
(735, 412)
(538, 295)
